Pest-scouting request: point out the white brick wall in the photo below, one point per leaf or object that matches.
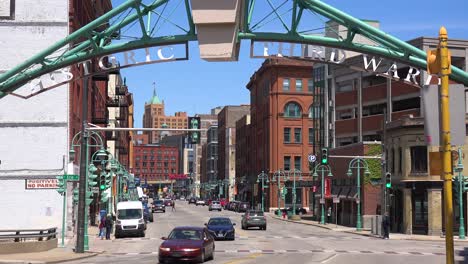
(33, 132)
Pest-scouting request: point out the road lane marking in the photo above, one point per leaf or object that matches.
(250, 257)
(329, 258)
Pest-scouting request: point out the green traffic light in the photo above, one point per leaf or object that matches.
(102, 187)
(324, 161)
(388, 185)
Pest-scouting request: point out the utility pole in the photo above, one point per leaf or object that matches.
(438, 62)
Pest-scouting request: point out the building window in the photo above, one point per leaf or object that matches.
(311, 135)
(297, 163)
(297, 135)
(287, 135)
(298, 85)
(418, 159)
(292, 110)
(310, 85)
(7, 9)
(392, 168)
(287, 163)
(285, 84)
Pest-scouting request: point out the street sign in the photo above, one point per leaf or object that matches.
(69, 177)
(358, 201)
(311, 158)
(336, 200)
(95, 189)
(322, 201)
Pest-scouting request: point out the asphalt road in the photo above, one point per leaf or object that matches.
(282, 242)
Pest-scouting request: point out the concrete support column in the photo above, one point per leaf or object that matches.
(434, 199)
(407, 212)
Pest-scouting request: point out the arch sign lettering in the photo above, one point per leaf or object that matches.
(161, 30)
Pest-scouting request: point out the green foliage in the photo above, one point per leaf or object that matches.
(375, 168)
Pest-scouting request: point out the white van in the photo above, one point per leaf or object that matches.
(130, 219)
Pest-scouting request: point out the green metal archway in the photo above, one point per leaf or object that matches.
(99, 37)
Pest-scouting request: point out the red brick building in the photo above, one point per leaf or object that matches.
(82, 13)
(282, 125)
(156, 163)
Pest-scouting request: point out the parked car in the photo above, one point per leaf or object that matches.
(221, 228)
(200, 202)
(168, 202)
(233, 206)
(158, 205)
(254, 218)
(223, 202)
(192, 200)
(215, 205)
(299, 210)
(243, 207)
(187, 244)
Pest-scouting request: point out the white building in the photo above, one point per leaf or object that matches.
(33, 132)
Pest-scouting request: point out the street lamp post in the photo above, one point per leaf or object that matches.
(358, 163)
(81, 140)
(459, 169)
(263, 177)
(277, 177)
(322, 168)
(295, 172)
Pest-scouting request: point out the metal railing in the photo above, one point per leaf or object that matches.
(22, 235)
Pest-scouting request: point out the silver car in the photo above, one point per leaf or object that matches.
(215, 205)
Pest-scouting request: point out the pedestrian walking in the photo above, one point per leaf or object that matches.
(173, 206)
(102, 227)
(109, 224)
(329, 213)
(386, 226)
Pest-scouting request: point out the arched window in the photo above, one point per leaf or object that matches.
(292, 109)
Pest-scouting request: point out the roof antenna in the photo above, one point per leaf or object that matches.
(154, 89)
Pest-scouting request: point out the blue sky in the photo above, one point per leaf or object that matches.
(196, 86)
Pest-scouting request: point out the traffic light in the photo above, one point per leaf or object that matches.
(62, 185)
(194, 123)
(465, 184)
(388, 180)
(455, 188)
(102, 182)
(92, 179)
(324, 156)
(433, 61)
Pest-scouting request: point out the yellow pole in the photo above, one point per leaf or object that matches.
(446, 147)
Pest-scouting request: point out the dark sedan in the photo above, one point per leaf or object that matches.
(158, 205)
(192, 200)
(221, 228)
(187, 243)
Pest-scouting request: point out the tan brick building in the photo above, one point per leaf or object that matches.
(155, 117)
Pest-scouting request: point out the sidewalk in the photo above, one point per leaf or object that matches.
(56, 255)
(352, 230)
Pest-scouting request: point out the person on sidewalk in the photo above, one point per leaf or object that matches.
(386, 226)
(173, 205)
(109, 223)
(329, 213)
(102, 227)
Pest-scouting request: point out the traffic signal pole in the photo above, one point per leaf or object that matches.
(446, 147)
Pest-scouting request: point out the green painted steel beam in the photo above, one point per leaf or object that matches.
(20, 80)
(69, 39)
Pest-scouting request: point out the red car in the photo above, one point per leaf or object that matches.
(223, 202)
(187, 243)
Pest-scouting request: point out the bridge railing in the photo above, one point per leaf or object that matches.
(23, 235)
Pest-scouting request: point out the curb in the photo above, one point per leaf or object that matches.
(302, 223)
(361, 234)
(11, 261)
